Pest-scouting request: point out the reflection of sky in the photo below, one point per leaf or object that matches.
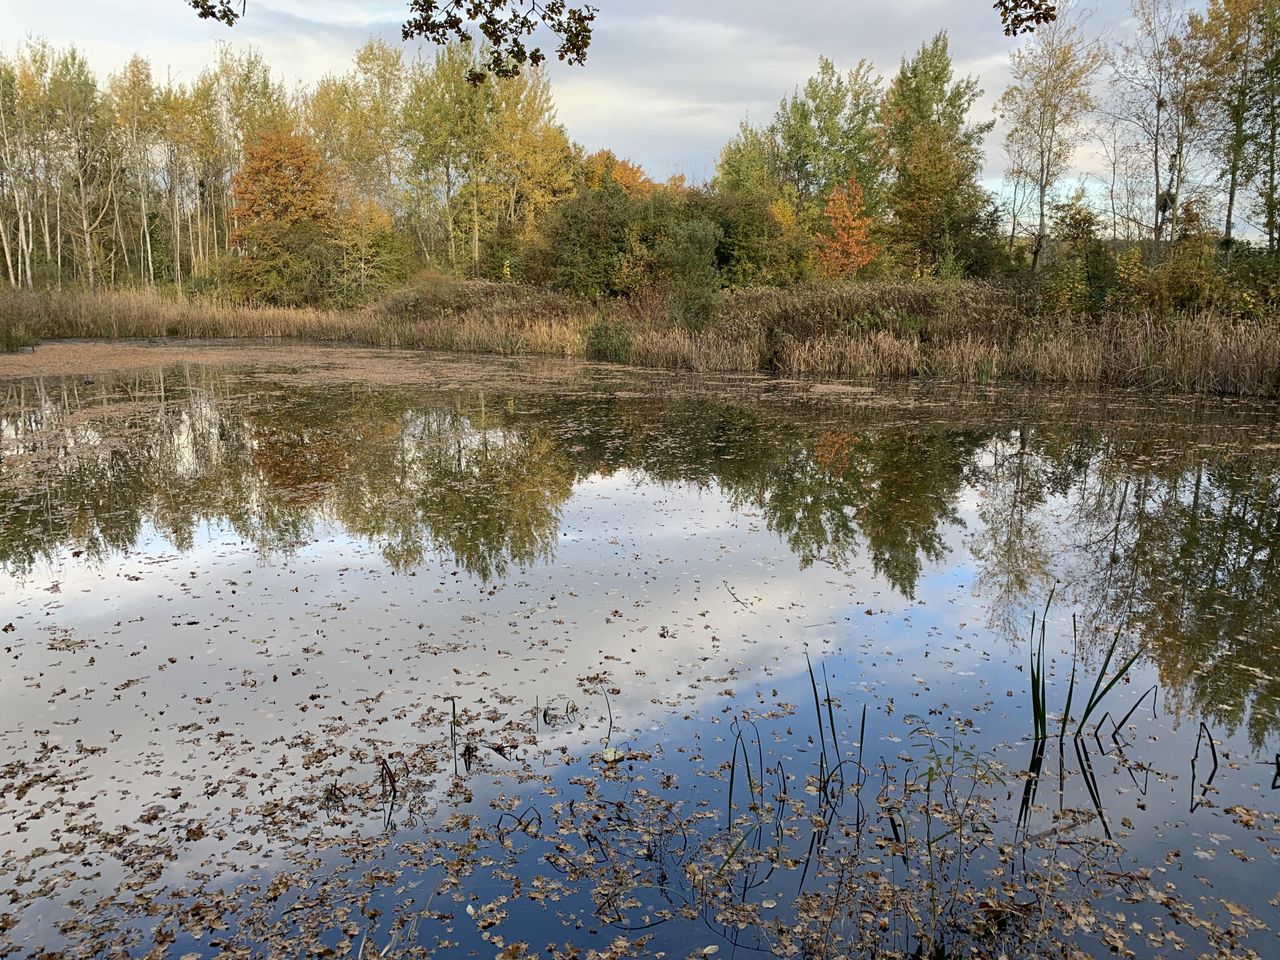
(689, 605)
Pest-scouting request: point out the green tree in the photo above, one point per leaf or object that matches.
(484, 161)
(826, 134)
(940, 214)
(1225, 41)
(585, 240)
(1264, 124)
(748, 163)
(356, 120)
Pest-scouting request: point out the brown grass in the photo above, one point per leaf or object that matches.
(964, 332)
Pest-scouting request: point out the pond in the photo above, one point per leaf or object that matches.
(319, 652)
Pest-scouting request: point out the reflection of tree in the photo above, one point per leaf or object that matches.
(1198, 580)
(411, 480)
(893, 492)
(826, 495)
(1011, 549)
(1142, 525)
(449, 482)
(1180, 547)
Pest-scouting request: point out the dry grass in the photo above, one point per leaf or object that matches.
(964, 332)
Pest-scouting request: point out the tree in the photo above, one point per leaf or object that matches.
(484, 161)
(1226, 43)
(356, 122)
(89, 161)
(1264, 125)
(1045, 106)
(134, 104)
(847, 246)
(1154, 94)
(585, 239)
(286, 221)
(605, 165)
(370, 255)
(687, 261)
(939, 210)
(748, 163)
(826, 134)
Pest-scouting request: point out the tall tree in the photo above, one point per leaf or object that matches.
(1155, 93)
(134, 104)
(1046, 106)
(356, 120)
(1264, 124)
(484, 161)
(826, 134)
(935, 157)
(90, 163)
(1225, 46)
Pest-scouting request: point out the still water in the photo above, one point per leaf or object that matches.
(354, 654)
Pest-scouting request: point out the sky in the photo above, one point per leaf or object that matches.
(666, 83)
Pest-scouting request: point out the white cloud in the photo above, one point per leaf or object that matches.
(665, 84)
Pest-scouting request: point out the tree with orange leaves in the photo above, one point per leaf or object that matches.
(846, 246)
(285, 215)
(606, 165)
(284, 181)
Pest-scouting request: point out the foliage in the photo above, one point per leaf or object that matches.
(603, 166)
(825, 135)
(846, 246)
(687, 264)
(286, 215)
(134, 180)
(938, 207)
(1023, 16)
(608, 340)
(585, 240)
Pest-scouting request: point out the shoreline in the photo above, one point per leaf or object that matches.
(862, 332)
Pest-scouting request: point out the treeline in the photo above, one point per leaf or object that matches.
(235, 186)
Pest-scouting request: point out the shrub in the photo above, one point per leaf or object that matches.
(687, 262)
(608, 340)
(15, 335)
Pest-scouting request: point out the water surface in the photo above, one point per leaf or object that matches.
(332, 653)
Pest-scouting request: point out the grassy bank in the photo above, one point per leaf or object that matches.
(967, 332)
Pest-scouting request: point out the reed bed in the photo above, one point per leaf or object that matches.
(965, 332)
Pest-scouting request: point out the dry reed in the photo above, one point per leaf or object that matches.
(965, 332)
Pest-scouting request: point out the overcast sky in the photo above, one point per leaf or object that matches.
(666, 82)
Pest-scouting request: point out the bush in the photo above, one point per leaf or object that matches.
(687, 263)
(608, 340)
(15, 335)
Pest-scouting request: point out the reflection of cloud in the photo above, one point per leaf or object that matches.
(242, 637)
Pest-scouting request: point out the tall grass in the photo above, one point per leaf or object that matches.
(968, 332)
(15, 335)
